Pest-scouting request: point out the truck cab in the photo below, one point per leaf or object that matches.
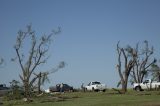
(95, 86)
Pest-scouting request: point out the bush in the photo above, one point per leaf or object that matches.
(16, 91)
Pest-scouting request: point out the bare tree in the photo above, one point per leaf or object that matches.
(142, 62)
(1, 62)
(155, 70)
(36, 56)
(125, 64)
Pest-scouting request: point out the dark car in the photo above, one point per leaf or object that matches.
(65, 88)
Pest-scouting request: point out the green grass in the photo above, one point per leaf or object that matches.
(109, 98)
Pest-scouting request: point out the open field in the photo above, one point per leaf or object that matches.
(109, 98)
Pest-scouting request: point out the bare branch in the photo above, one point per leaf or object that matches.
(20, 61)
(119, 61)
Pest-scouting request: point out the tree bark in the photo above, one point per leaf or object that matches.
(39, 82)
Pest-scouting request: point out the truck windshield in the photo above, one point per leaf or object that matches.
(146, 81)
(96, 83)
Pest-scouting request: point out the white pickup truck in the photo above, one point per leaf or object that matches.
(95, 86)
(147, 84)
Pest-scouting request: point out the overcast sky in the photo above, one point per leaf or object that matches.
(90, 32)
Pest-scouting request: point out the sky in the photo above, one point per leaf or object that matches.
(90, 30)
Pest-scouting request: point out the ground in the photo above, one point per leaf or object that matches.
(109, 98)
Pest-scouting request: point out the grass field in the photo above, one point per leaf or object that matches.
(109, 98)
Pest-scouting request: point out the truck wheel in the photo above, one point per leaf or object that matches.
(104, 90)
(92, 88)
(138, 88)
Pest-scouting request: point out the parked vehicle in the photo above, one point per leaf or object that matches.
(95, 86)
(4, 89)
(147, 84)
(57, 88)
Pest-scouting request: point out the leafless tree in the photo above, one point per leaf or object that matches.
(1, 62)
(155, 71)
(36, 56)
(125, 64)
(142, 62)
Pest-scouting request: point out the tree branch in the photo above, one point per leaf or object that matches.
(19, 58)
